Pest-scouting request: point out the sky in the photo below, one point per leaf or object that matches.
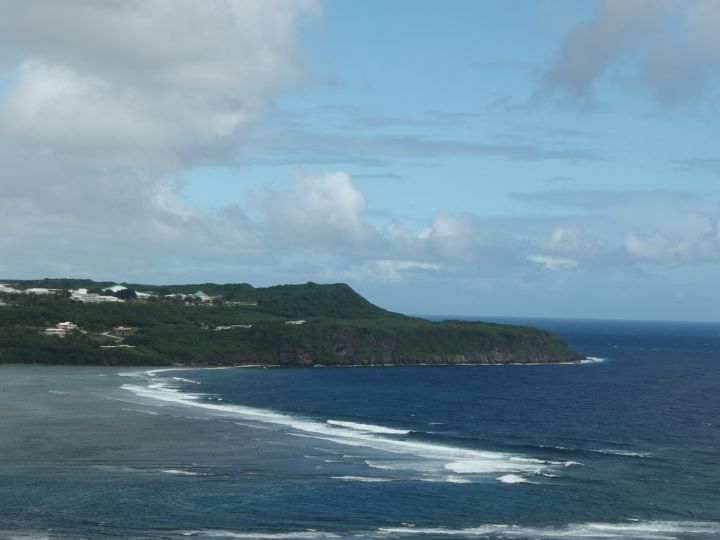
(497, 158)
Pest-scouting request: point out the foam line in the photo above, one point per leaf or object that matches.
(362, 478)
(636, 530)
(211, 533)
(435, 459)
(650, 530)
(513, 479)
(369, 427)
(623, 453)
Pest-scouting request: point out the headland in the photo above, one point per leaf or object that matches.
(75, 321)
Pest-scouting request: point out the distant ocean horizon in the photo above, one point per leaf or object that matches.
(625, 446)
(534, 320)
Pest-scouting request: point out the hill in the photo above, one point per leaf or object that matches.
(211, 324)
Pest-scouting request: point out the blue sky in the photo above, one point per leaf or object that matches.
(512, 158)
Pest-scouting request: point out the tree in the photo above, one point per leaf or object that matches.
(126, 294)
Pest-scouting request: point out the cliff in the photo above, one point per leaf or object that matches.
(399, 341)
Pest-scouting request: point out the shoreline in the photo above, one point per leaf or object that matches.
(382, 445)
(172, 367)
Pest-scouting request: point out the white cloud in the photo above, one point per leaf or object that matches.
(652, 246)
(452, 238)
(575, 241)
(623, 228)
(157, 83)
(389, 270)
(658, 248)
(105, 100)
(318, 211)
(102, 100)
(553, 263)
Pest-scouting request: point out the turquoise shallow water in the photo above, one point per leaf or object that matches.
(623, 448)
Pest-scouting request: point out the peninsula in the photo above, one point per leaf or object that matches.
(74, 321)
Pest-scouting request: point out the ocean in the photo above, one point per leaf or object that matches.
(625, 445)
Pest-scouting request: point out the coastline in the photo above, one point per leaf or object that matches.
(452, 464)
(209, 365)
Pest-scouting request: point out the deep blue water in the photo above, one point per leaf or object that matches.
(627, 447)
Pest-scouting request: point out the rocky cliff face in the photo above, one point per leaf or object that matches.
(302, 358)
(342, 346)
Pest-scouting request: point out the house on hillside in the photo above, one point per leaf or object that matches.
(54, 331)
(82, 295)
(40, 290)
(123, 330)
(61, 329)
(231, 326)
(67, 326)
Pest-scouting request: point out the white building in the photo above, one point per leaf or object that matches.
(98, 299)
(123, 330)
(54, 332)
(67, 326)
(61, 329)
(298, 322)
(81, 295)
(40, 290)
(4, 288)
(230, 327)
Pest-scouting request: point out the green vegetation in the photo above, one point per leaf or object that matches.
(241, 324)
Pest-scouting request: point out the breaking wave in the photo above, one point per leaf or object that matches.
(428, 460)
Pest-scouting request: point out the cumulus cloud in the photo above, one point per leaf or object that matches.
(388, 270)
(659, 248)
(461, 241)
(623, 228)
(572, 240)
(669, 48)
(654, 246)
(150, 83)
(451, 237)
(103, 101)
(321, 211)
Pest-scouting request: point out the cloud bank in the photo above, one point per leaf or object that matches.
(103, 101)
(103, 104)
(149, 84)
